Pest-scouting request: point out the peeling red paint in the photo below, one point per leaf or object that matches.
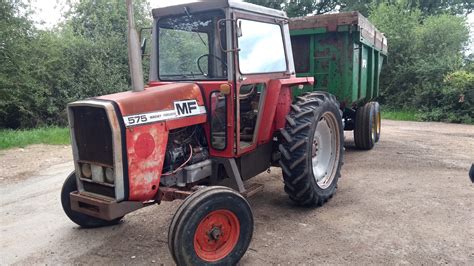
(145, 171)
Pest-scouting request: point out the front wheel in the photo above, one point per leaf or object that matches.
(312, 149)
(212, 226)
(81, 219)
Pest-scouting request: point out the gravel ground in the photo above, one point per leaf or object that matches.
(407, 201)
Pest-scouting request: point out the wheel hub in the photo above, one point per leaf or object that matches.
(325, 150)
(216, 235)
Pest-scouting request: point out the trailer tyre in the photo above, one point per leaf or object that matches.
(312, 149)
(365, 131)
(213, 226)
(81, 219)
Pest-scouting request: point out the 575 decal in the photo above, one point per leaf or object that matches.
(136, 119)
(181, 109)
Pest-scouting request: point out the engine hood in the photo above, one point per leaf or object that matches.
(154, 99)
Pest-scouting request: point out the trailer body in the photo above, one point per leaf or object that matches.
(344, 53)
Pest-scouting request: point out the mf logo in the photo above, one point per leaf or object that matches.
(186, 108)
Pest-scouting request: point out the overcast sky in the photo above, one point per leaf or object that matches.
(50, 12)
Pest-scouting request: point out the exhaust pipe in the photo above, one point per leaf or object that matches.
(134, 55)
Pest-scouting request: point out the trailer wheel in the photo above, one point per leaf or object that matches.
(378, 121)
(365, 131)
(312, 149)
(212, 226)
(81, 219)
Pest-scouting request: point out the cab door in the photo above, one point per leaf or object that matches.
(260, 58)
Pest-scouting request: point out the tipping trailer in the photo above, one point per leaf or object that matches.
(344, 53)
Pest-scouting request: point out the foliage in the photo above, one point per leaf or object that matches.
(10, 138)
(456, 99)
(297, 8)
(422, 52)
(41, 71)
(402, 115)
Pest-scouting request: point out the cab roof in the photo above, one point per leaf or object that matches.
(202, 5)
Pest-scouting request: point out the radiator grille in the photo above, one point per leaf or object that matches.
(93, 135)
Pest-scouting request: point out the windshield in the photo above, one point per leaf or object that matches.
(189, 48)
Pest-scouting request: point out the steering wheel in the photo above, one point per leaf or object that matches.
(209, 55)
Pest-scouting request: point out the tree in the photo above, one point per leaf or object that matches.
(41, 71)
(423, 50)
(298, 8)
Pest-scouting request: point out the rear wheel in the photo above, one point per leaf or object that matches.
(365, 131)
(312, 149)
(212, 226)
(81, 219)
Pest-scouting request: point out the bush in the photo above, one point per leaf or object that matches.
(425, 58)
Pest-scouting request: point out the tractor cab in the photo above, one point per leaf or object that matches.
(232, 50)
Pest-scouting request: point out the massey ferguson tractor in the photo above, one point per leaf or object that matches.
(220, 107)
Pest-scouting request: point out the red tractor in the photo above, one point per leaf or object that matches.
(218, 110)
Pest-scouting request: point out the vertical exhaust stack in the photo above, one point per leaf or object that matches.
(134, 55)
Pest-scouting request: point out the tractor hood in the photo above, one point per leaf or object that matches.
(153, 99)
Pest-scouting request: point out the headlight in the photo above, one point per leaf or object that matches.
(86, 170)
(97, 173)
(109, 175)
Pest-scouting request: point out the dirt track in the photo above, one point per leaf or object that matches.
(407, 201)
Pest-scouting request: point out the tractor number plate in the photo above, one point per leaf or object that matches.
(181, 109)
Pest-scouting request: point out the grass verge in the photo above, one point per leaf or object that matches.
(402, 115)
(46, 135)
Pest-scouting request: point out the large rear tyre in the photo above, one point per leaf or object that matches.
(312, 149)
(365, 131)
(80, 219)
(213, 226)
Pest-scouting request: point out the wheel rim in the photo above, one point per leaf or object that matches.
(378, 121)
(216, 235)
(325, 152)
(374, 130)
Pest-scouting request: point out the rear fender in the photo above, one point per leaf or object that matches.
(277, 106)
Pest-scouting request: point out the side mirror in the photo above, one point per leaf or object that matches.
(144, 40)
(143, 46)
(239, 29)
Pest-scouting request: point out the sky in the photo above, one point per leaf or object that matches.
(50, 13)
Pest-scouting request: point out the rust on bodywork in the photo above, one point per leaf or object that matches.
(170, 194)
(102, 207)
(146, 147)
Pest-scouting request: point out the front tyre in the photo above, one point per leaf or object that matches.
(312, 149)
(81, 219)
(213, 226)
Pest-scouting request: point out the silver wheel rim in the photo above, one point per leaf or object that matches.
(325, 151)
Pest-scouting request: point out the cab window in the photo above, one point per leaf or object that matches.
(261, 47)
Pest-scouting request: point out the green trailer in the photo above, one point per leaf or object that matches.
(344, 53)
